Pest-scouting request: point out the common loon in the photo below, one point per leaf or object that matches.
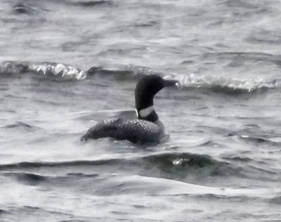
(147, 128)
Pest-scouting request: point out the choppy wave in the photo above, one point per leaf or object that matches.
(104, 185)
(186, 81)
(18, 125)
(172, 165)
(176, 166)
(275, 141)
(92, 3)
(12, 68)
(224, 85)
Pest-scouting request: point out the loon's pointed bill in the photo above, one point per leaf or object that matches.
(147, 128)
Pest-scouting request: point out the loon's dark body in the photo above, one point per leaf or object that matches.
(147, 128)
(134, 130)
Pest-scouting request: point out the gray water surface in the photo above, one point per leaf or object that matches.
(222, 162)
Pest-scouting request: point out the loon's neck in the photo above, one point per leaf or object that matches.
(148, 114)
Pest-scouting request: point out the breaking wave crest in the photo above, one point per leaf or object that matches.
(49, 69)
(224, 85)
(186, 81)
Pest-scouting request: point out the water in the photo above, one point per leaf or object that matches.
(66, 64)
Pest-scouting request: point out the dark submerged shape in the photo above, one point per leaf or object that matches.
(21, 9)
(147, 128)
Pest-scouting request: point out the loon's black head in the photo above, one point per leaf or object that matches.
(145, 91)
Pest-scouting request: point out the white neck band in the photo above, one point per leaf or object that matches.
(145, 112)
